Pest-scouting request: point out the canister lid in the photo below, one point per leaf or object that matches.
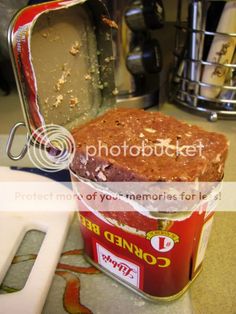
(62, 53)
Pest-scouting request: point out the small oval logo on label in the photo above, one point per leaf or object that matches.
(162, 243)
(162, 240)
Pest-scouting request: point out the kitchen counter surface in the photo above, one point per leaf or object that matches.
(214, 290)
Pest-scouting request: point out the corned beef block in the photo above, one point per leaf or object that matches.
(158, 148)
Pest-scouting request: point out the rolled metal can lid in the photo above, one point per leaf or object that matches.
(63, 62)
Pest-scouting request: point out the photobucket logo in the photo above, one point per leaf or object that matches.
(53, 148)
(162, 147)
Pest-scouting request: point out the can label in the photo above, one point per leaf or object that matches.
(122, 268)
(157, 256)
(161, 264)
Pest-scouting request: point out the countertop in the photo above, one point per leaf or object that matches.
(214, 290)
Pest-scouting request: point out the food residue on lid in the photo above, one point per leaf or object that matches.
(75, 48)
(44, 35)
(63, 79)
(73, 101)
(88, 77)
(59, 99)
(115, 92)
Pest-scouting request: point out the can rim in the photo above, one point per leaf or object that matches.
(177, 216)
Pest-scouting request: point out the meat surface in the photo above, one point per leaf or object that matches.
(158, 148)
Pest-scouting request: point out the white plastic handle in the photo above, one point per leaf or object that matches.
(31, 298)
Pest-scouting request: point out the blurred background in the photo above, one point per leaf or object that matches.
(163, 33)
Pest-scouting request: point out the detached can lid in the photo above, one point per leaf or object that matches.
(63, 61)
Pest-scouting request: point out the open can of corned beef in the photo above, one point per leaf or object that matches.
(63, 62)
(157, 254)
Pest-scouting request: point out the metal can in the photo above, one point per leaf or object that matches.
(62, 53)
(156, 257)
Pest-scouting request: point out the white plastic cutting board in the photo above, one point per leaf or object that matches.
(13, 227)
